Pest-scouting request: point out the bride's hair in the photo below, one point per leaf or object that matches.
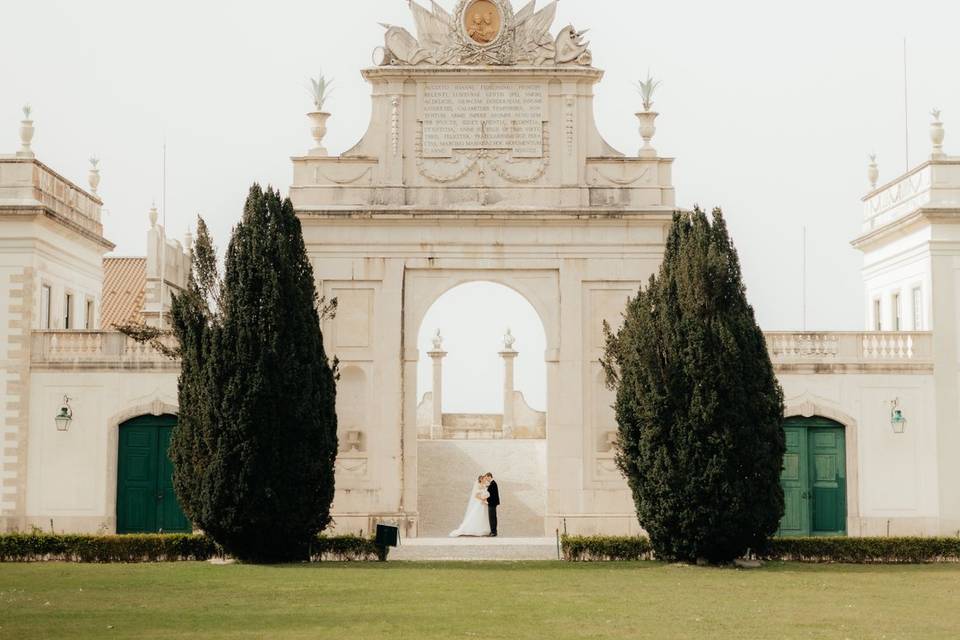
(480, 478)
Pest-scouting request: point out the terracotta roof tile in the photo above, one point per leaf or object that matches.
(124, 282)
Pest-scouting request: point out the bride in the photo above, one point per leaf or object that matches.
(476, 522)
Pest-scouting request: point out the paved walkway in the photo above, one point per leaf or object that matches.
(475, 549)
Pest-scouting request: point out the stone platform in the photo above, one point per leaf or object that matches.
(426, 549)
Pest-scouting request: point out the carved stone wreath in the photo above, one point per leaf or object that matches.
(500, 50)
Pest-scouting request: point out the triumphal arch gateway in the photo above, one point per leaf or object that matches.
(482, 162)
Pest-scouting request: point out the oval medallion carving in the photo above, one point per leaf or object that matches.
(482, 22)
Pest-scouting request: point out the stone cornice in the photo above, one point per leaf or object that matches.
(519, 216)
(847, 368)
(904, 223)
(428, 71)
(36, 210)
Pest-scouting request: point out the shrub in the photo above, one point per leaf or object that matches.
(699, 409)
(35, 547)
(592, 548)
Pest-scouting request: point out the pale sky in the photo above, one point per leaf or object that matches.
(770, 109)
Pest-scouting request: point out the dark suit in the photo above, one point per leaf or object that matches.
(492, 502)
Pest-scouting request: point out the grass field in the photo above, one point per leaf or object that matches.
(472, 600)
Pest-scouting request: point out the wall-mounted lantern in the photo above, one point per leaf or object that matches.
(65, 415)
(897, 420)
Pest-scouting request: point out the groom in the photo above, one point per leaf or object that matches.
(493, 500)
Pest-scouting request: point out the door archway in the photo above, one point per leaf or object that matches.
(814, 477)
(146, 502)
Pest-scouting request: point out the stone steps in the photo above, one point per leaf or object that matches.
(434, 549)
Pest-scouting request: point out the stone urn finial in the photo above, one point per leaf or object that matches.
(153, 216)
(26, 133)
(936, 134)
(93, 177)
(437, 341)
(646, 117)
(320, 89)
(872, 171)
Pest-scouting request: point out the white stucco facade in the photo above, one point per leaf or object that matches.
(433, 197)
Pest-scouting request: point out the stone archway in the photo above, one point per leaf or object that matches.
(474, 432)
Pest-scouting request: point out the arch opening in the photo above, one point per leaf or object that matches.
(482, 398)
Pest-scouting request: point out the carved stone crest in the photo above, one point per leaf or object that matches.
(483, 32)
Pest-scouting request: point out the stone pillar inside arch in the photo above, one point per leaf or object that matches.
(437, 354)
(509, 354)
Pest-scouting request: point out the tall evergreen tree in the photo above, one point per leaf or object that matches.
(699, 409)
(255, 445)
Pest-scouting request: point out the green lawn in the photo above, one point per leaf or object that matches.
(471, 600)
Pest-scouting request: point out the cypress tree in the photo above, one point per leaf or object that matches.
(699, 410)
(255, 445)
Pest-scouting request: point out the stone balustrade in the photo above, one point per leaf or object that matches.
(28, 183)
(933, 185)
(841, 348)
(96, 349)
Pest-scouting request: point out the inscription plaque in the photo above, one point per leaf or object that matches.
(500, 115)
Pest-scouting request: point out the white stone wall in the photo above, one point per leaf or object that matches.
(892, 479)
(72, 475)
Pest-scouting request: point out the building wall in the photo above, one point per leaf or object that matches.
(892, 479)
(72, 475)
(33, 252)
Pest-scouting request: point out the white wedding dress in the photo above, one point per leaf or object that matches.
(476, 522)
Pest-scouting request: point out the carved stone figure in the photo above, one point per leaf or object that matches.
(570, 46)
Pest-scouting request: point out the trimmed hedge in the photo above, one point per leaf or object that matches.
(347, 548)
(30, 547)
(38, 547)
(864, 550)
(808, 549)
(593, 548)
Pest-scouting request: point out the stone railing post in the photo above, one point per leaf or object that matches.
(437, 354)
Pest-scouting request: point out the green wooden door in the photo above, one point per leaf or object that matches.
(828, 481)
(145, 499)
(794, 478)
(814, 478)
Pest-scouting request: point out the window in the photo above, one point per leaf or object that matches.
(917, 309)
(67, 311)
(45, 306)
(876, 315)
(897, 315)
(88, 316)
